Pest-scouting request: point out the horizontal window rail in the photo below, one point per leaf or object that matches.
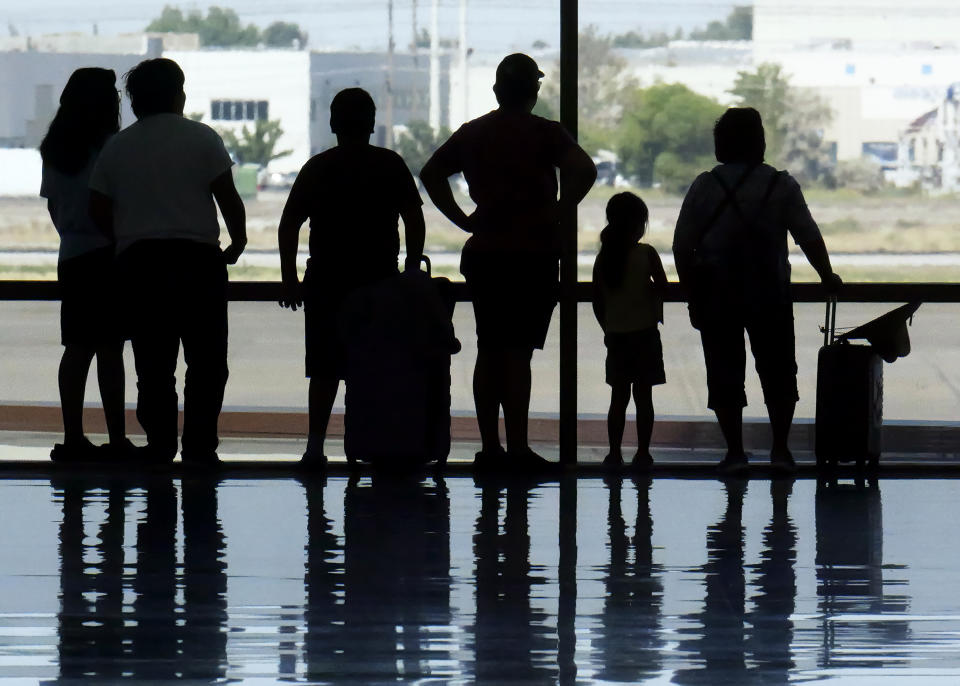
(266, 291)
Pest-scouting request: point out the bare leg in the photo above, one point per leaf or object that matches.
(74, 367)
(643, 397)
(487, 379)
(781, 418)
(617, 418)
(731, 424)
(320, 397)
(110, 377)
(516, 398)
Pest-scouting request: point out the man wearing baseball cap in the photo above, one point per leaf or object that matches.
(510, 158)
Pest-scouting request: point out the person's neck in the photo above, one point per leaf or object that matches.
(352, 141)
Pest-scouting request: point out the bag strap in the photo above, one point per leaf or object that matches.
(729, 194)
(731, 197)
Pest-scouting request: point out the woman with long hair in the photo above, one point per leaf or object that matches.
(89, 114)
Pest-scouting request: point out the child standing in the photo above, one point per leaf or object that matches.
(628, 284)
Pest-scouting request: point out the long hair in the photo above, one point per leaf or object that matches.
(89, 114)
(627, 218)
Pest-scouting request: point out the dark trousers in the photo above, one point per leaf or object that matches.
(177, 293)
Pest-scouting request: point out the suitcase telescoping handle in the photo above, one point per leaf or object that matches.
(830, 321)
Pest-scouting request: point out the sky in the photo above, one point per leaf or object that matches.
(493, 25)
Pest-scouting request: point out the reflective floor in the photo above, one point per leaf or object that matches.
(382, 579)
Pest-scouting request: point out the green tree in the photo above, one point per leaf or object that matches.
(221, 28)
(638, 39)
(793, 121)
(418, 142)
(257, 146)
(737, 26)
(282, 34)
(666, 135)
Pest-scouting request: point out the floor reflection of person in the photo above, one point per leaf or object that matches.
(772, 628)
(204, 583)
(720, 648)
(850, 578)
(629, 644)
(511, 644)
(396, 578)
(90, 623)
(155, 636)
(324, 581)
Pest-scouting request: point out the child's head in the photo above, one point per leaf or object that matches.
(627, 211)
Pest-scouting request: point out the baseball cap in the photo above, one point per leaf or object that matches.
(518, 68)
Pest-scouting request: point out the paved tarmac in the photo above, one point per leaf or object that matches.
(266, 362)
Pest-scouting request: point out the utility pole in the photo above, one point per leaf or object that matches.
(388, 117)
(463, 60)
(434, 65)
(415, 92)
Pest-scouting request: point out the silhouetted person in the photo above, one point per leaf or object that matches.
(509, 158)
(354, 195)
(89, 114)
(730, 248)
(772, 627)
(156, 188)
(628, 283)
(511, 643)
(721, 644)
(629, 643)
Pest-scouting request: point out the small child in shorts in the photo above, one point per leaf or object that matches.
(628, 285)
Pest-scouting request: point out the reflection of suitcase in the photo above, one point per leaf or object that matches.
(849, 399)
(399, 336)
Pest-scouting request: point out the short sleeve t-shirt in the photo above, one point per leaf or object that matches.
(68, 199)
(353, 196)
(785, 211)
(158, 173)
(509, 160)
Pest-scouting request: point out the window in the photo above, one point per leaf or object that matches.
(239, 110)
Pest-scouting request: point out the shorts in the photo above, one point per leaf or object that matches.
(513, 296)
(773, 345)
(634, 357)
(90, 309)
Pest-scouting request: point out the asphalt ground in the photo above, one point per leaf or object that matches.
(266, 362)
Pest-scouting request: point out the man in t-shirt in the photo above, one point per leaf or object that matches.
(156, 188)
(354, 195)
(510, 159)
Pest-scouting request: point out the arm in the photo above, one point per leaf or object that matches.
(807, 234)
(815, 251)
(288, 237)
(414, 232)
(234, 215)
(599, 305)
(685, 237)
(436, 181)
(101, 212)
(657, 273)
(577, 174)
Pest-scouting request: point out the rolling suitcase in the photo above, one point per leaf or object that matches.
(849, 413)
(399, 337)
